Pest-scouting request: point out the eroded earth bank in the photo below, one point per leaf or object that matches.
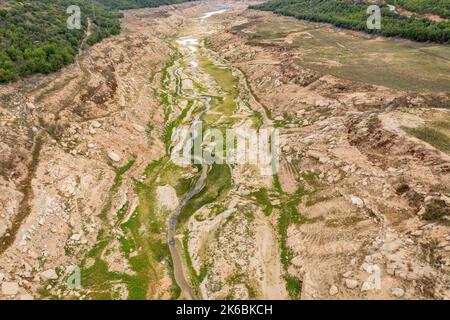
(358, 209)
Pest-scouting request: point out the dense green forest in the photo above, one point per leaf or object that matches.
(134, 4)
(437, 7)
(34, 37)
(352, 15)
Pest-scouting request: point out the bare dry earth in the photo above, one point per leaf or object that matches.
(366, 184)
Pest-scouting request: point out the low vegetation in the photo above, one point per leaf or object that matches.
(289, 215)
(436, 138)
(217, 184)
(34, 37)
(135, 4)
(438, 7)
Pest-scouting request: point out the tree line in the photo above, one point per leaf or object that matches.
(353, 15)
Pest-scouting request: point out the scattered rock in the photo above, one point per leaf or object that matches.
(417, 233)
(276, 202)
(31, 106)
(244, 192)
(49, 274)
(122, 102)
(398, 292)
(391, 246)
(315, 154)
(76, 237)
(138, 127)
(369, 285)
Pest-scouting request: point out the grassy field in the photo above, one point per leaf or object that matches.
(225, 105)
(398, 64)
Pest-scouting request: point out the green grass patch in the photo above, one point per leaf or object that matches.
(432, 136)
(216, 185)
(144, 244)
(120, 171)
(293, 286)
(442, 124)
(184, 185)
(194, 278)
(268, 112)
(149, 130)
(165, 78)
(175, 124)
(289, 215)
(263, 199)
